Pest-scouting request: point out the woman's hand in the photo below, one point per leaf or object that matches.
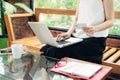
(63, 36)
(89, 30)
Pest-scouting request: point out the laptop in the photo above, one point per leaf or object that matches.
(44, 35)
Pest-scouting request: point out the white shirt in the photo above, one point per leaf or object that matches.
(91, 12)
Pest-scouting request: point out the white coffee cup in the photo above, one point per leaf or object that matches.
(17, 50)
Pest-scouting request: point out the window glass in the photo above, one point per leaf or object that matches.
(63, 4)
(52, 20)
(115, 30)
(117, 5)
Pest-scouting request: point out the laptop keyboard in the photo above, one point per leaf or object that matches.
(63, 42)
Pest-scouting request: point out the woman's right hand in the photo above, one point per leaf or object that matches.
(63, 36)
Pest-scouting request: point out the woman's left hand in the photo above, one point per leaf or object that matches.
(89, 30)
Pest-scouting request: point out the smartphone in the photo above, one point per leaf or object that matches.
(5, 51)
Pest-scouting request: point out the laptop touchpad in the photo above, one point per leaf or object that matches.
(63, 42)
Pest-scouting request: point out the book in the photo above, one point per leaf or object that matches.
(79, 69)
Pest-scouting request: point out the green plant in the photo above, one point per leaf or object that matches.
(4, 10)
(66, 4)
(7, 8)
(58, 21)
(24, 7)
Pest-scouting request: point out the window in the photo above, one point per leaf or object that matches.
(52, 20)
(115, 30)
(63, 4)
(64, 20)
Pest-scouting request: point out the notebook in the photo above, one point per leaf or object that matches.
(44, 35)
(80, 69)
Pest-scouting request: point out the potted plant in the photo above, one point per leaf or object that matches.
(3, 9)
(7, 8)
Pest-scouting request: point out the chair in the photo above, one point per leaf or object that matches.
(17, 26)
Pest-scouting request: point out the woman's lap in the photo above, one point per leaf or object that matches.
(88, 50)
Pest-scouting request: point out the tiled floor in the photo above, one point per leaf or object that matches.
(20, 72)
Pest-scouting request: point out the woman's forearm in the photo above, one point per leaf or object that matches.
(71, 30)
(106, 25)
(109, 16)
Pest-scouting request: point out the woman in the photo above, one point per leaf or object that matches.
(98, 15)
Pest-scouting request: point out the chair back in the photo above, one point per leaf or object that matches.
(17, 26)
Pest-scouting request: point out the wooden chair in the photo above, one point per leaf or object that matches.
(17, 26)
(18, 29)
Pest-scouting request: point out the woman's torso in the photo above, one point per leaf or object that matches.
(92, 13)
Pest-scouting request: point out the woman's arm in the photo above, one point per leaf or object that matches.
(109, 19)
(109, 16)
(70, 31)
